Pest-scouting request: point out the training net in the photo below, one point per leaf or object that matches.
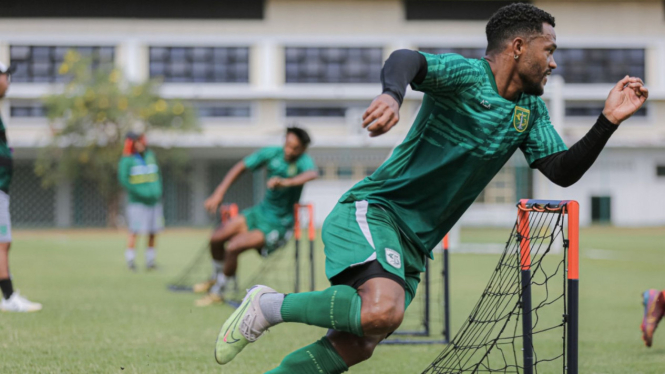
(281, 270)
(526, 318)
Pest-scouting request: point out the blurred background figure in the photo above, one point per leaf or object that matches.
(11, 300)
(268, 225)
(139, 175)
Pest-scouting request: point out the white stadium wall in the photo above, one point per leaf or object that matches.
(626, 170)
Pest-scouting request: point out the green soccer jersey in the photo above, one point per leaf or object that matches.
(140, 176)
(464, 133)
(277, 205)
(6, 162)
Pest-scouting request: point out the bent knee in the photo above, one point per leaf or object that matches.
(366, 349)
(381, 319)
(235, 247)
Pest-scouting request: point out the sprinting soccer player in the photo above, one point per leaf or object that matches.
(475, 115)
(267, 226)
(12, 301)
(140, 176)
(654, 308)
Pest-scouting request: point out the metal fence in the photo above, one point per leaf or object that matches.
(31, 205)
(178, 198)
(79, 203)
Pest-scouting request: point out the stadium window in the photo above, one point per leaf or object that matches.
(192, 9)
(423, 10)
(476, 53)
(345, 172)
(27, 110)
(333, 65)
(40, 64)
(660, 170)
(601, 209)
(593, 109)
(327, 112)
(597, 65)
(222, 110)
(200, 64)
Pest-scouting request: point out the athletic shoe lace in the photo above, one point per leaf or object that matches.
(246, 328)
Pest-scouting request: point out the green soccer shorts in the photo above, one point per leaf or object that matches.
(359, 232)
(276, 234)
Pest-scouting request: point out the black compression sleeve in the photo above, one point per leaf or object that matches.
(401, 68)
(567, 167)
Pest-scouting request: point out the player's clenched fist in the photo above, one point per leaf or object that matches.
(212, 203)
(381, 115)
(625, 99)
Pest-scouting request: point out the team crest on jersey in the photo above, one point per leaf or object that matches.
(393, 258)
(521, 118)
(293, 169)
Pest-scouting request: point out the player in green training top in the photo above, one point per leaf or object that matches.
(139, 174)
(475, 115)
(266, 226)
(11, 300)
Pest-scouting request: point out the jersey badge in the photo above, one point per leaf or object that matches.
(292, 170)
(521, 118)
(486, 104)
(393, 258)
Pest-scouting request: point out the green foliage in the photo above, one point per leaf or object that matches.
(90, 118)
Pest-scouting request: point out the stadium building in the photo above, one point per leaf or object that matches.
(254, 67)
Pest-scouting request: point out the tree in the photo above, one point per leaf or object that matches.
(89, 120)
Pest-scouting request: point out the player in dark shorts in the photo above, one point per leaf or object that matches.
(475, 115)
(266, 226)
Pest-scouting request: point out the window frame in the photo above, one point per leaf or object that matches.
(370, 46)
(243, 122)
(56, 63)
(189, 50)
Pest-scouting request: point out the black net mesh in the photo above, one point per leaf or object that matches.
(492, 340)
(277, 270)
(424, 320)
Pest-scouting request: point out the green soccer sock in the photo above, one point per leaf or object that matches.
(337, 308)
(320, 357)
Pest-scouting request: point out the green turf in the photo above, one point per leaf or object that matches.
(99, 318)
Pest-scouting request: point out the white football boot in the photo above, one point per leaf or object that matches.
(18, 303)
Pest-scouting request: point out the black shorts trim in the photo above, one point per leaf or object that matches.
(356, 276)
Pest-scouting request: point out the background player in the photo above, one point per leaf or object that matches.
(266, 226)
(11, 300)
(475, 115)
(140, 176)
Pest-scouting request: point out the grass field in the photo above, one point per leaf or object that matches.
(100, 318)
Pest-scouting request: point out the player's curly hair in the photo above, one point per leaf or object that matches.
(301, 134)
(513, 20)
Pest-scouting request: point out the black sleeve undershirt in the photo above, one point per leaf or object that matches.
(567, 167)
(402, 68)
